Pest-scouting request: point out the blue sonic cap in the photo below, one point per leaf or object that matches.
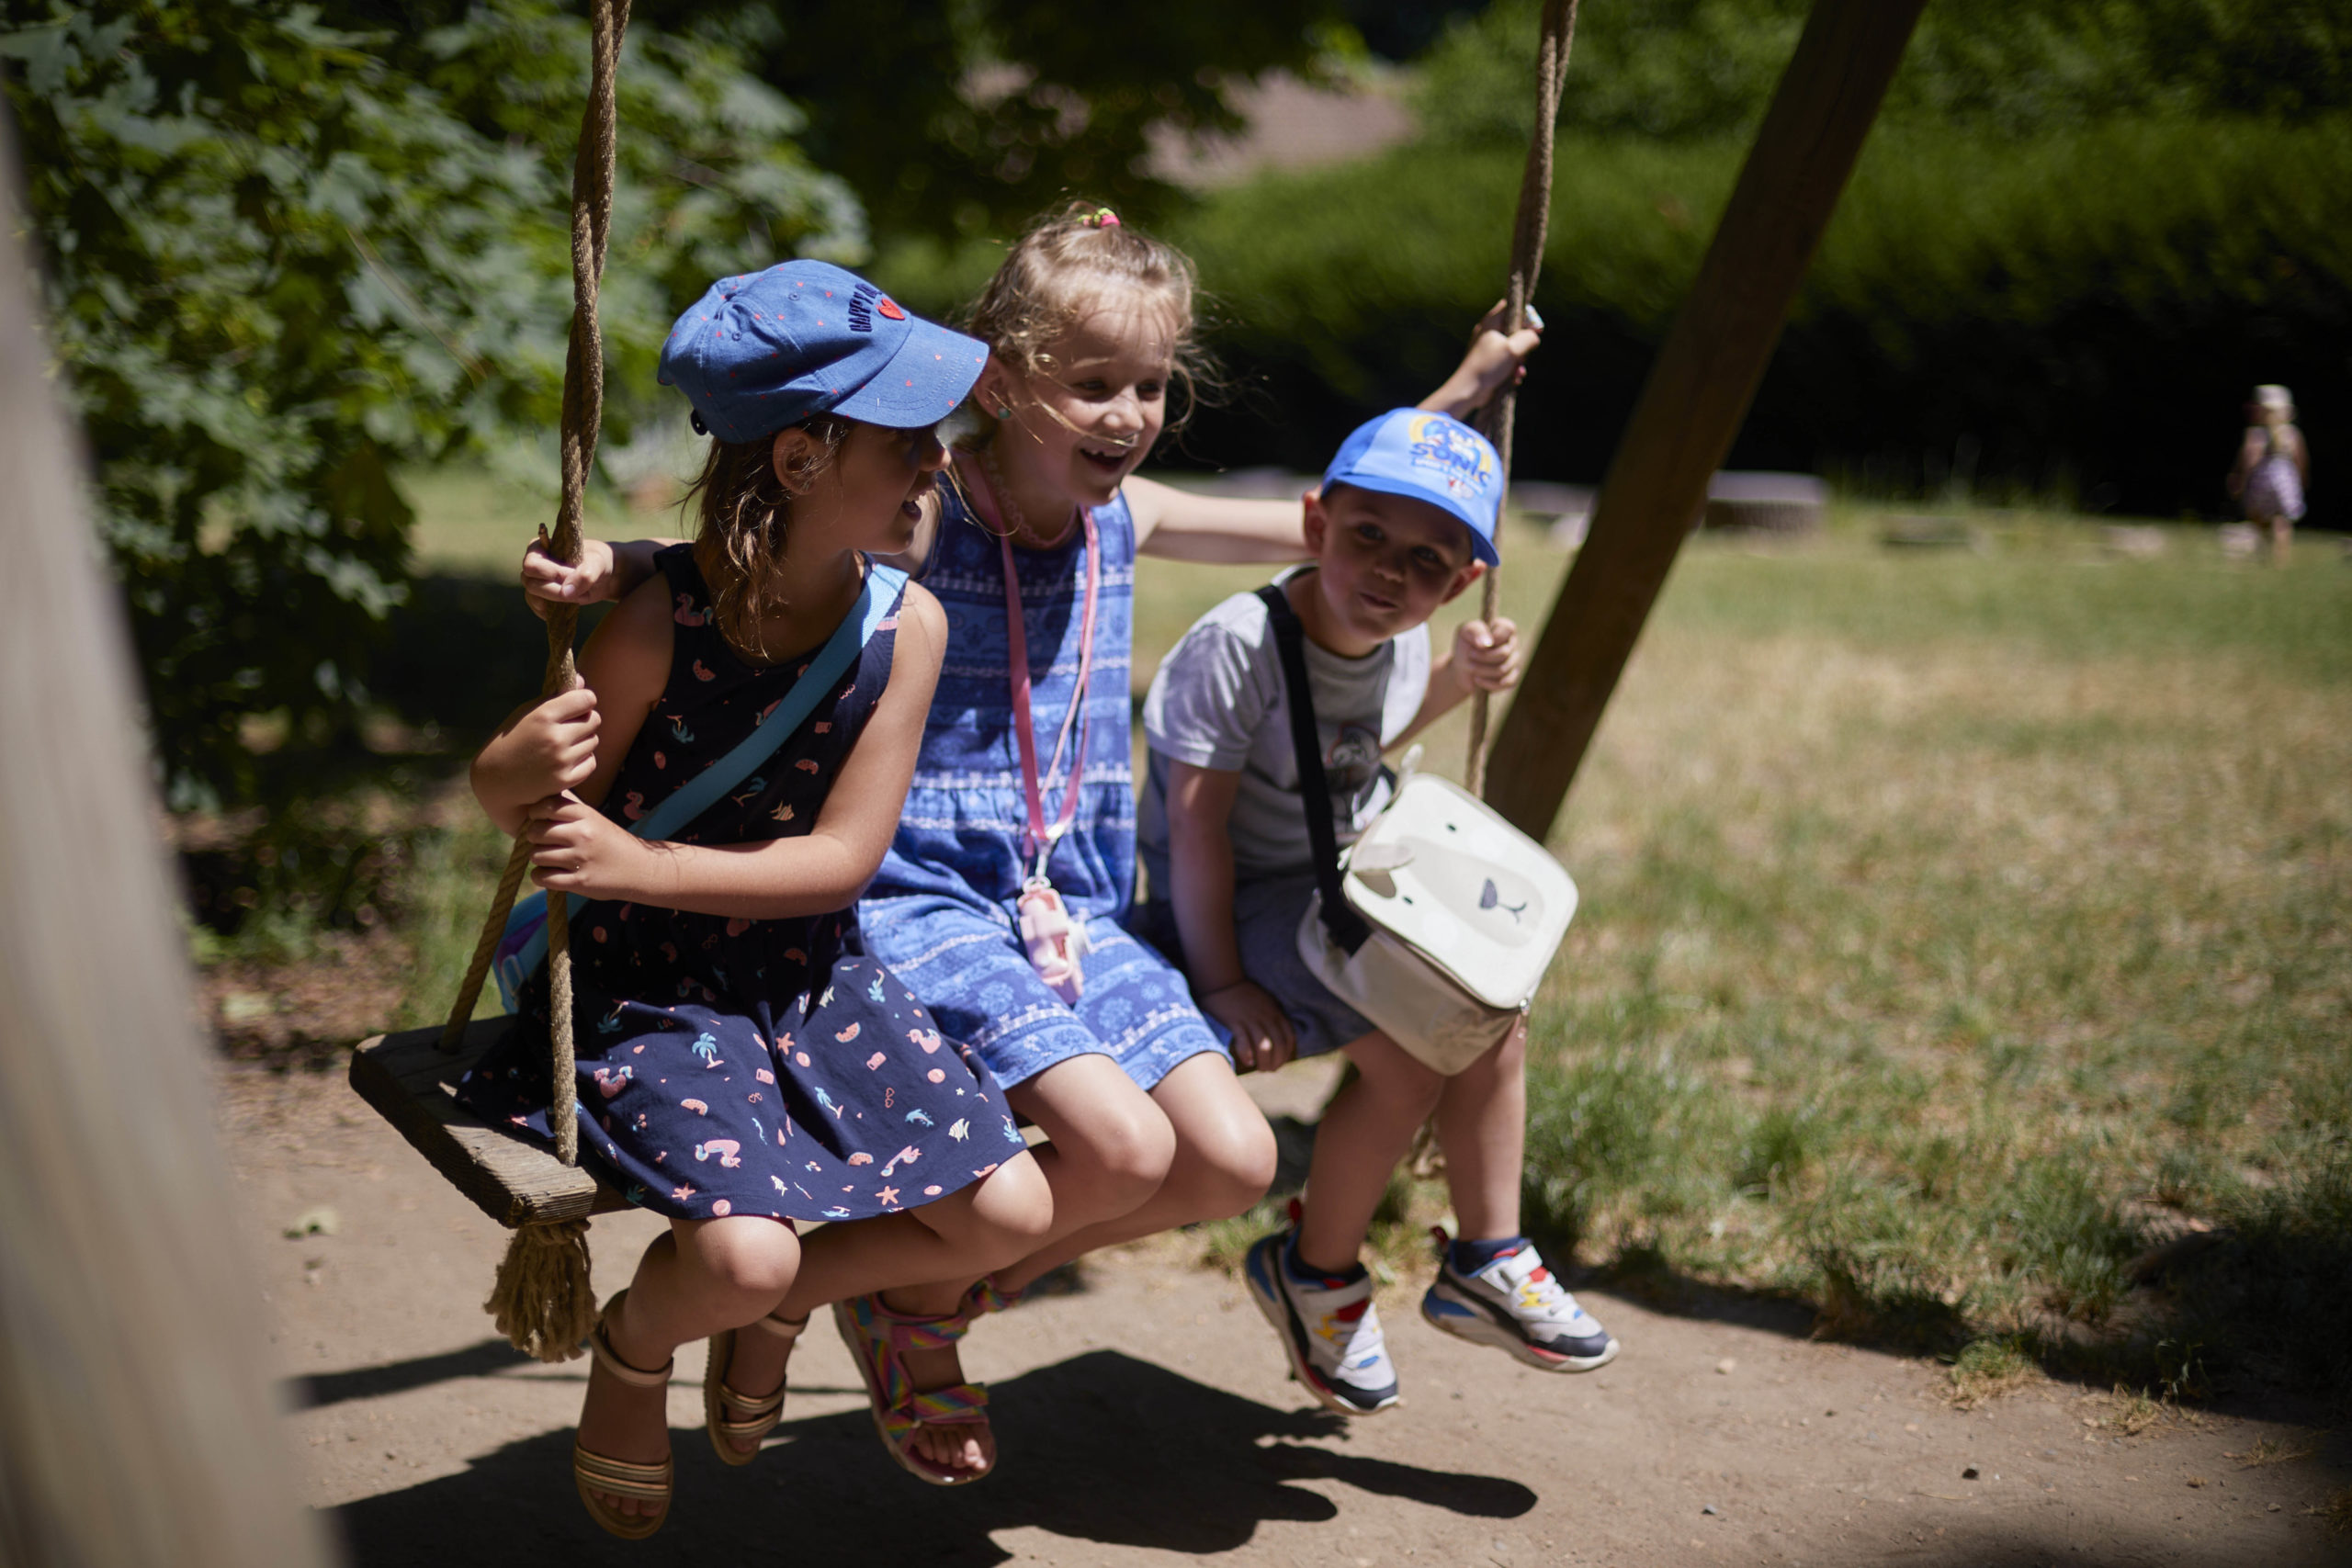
(768, 349)
(1428, 457)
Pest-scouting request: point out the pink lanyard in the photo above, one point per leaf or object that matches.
(1039, 841)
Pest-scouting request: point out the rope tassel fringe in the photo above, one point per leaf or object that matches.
(543, 1300)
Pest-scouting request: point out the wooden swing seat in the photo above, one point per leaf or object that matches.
(411, 1081)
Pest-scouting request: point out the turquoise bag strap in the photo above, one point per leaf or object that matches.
(883, 584)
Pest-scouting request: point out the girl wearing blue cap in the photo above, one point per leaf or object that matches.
(999, 903)
(741, 1065)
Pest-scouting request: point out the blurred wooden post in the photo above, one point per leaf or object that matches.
(137, 1422)
(1697, 394)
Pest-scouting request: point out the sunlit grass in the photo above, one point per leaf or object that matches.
(1951, 923)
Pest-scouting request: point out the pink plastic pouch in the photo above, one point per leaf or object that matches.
(1056, 943)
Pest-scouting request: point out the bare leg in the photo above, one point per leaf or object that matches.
(1223, 1162)
(1109, 1150)
(2282, 539)
(1481, 1127)
(1362, 1136)
(703, 1275)
(983, 1227)
(962, 1236)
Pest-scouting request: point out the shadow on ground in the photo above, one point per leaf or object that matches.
(476, 1360)
(1100, 1448)
(2252, 1328)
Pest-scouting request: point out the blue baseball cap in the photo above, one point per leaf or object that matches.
(1428, 457)
(768, 349)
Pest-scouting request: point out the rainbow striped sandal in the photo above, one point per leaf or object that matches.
(985, 1298)
(875, 1335)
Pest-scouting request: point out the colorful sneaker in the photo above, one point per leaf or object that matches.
(1515, 1304)
(1330, 1332)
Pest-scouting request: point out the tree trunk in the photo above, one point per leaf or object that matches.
(1697, 394)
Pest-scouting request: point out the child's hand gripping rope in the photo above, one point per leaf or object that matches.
(1495, 359)
(1487, 655)
(577, 849)
(544, 750)
(547, 581)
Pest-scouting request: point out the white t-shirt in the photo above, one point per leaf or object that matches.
(1219, 702)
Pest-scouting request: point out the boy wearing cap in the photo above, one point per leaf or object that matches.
(1403, 523)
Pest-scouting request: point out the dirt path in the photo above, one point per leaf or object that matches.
(1148, 1419)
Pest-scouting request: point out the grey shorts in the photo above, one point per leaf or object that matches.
(1266, 912)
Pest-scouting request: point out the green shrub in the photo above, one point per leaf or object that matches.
(2082, 310)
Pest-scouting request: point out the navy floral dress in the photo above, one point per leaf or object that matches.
(732, 1067)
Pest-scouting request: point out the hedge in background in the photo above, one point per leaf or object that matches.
(2082, 310)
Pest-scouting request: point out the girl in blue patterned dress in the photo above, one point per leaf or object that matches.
(1088, 323)
(740, 1064)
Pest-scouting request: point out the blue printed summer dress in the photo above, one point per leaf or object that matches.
(731, 1066)
(940, 913)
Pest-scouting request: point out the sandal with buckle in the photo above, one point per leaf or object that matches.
(753, 1418)
(875, 1335)
(986, 1297)
(595, 1473)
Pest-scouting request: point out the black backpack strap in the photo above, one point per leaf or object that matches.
(1346, 927)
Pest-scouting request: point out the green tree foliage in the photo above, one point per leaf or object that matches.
(953, 120)
(1680, 69)
(284, 255)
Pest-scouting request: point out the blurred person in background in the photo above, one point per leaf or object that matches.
(2272, 467)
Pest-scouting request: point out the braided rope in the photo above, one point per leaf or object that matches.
(1526, 261)
(584, 408)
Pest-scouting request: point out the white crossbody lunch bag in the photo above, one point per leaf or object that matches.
(1439, 922)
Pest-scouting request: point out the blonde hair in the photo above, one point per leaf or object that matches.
(746, 513)
(2270, 398)
(1062, 267)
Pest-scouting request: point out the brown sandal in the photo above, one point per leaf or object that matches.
(758, 1417)
(652, 1483)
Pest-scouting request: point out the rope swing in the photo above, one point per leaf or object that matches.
(1526, 261)
(543, 1299)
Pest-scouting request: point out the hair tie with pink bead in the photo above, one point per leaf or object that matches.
(1100, 217)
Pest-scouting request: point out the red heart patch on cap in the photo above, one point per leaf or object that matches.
(890, 308)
